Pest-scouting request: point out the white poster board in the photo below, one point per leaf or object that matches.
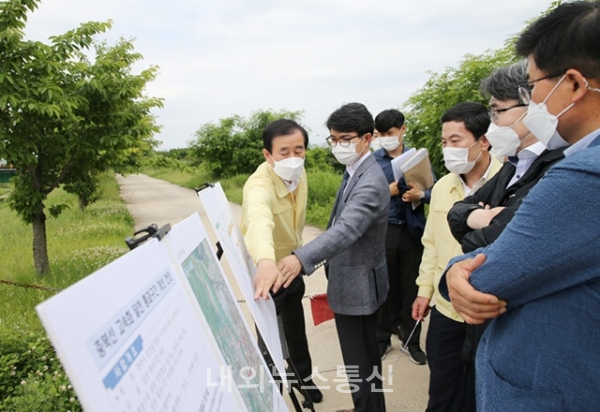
(146, 333)
(230, 237)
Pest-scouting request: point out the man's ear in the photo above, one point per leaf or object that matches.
(579, 84)
(268, 157)
(485, 143)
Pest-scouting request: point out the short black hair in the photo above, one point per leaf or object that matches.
(281, 127)
(351, 117)
(388, 119)
(474, 115)
(567, 37)
(504, 82)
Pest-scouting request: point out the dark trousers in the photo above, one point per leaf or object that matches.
(288, 304)
(473, 336)
(449, 373)
(403, 255)
(360, 351)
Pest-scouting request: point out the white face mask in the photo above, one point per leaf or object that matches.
(503, 139)
(456, 159)
(543, 124)
(375, 144)
(289, 169)
(389, 143)
(346, 155)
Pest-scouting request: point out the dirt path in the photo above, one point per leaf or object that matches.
(152, 200)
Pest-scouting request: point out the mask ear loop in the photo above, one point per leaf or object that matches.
(587, 86)
(520, 119)
(564, 110)
(362, 152)
(480, 151)
(554, 88)
(552, 91)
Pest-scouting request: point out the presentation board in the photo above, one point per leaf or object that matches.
(230, 237)
(159, 329)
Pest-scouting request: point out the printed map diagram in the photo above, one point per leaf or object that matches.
(227, 325)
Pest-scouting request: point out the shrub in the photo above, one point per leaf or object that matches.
(31, 376)
(321, 158)
(322, 188)
(234, 145)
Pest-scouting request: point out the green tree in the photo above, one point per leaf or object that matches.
(321, 159)
(177, 154)
(442, 91)
(63, 119)
(233, 145)
(424, 108)
(116, 114)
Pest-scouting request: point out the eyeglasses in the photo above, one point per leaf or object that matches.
(525, 88)
(495, 113)
(343, 141)
(530, 83)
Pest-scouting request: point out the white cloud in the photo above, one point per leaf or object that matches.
(226, 57)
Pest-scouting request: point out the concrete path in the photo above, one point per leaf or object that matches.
(152, 200)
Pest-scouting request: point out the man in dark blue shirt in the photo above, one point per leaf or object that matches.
(403, 248)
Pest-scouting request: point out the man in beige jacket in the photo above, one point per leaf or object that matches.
(467, 157)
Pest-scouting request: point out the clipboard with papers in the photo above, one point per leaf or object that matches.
(415, 166)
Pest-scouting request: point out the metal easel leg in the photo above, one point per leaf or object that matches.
(295, 378)
(292, 377)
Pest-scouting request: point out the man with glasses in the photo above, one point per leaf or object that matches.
(353, 252)
(540, 280)
(403, 248)
(478, 220)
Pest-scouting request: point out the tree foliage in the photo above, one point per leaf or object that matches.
(424, 108)
(64, 118)
(442, 91)
(233, 145)
(321, 159)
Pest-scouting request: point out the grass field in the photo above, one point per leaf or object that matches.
(79, 243)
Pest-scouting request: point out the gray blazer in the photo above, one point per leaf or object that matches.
(353, 246)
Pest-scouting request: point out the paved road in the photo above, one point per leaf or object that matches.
(155, 201)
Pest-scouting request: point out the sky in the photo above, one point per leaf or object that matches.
(221, 58)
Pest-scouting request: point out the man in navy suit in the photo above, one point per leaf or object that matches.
(540, 280)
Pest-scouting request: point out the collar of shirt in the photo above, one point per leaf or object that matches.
(291, 185)
(581, 144)
(468, 190)
(383, 153)
(351, 169)
(524, 160)
(528, 152)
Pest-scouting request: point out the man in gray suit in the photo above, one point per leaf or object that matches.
(353, 252)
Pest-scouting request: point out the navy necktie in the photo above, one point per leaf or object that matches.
(345, 180)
